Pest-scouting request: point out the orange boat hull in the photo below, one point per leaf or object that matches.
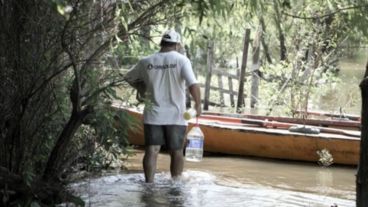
(268, 142)
(280, 144)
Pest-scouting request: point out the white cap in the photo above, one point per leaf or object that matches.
(171, 36)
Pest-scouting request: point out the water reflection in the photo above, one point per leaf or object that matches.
(324, 177)
(196, 189)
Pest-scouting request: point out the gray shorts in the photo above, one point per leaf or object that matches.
(170, 135)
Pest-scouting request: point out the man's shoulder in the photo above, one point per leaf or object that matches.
(173, 55)
(148, 57)
(180, 56)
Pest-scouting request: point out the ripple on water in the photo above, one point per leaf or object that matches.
(195, 188)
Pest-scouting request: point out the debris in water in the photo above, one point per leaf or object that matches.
(325, 157)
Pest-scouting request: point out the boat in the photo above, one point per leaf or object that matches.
(269, 139)
(330, 122)
(341, 116)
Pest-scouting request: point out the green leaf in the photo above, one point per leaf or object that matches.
(124, 23)
(60, 8)
(130, 5)
(118, 39)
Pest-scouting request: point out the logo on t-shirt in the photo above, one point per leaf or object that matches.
(160, 67)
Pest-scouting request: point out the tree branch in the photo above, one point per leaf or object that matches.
(100, 90)
(325, 15)
(42, 85)
(144, 15)
(76, 88)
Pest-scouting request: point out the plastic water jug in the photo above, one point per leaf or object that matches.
(194, 148)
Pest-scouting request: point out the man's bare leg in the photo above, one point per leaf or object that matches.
(177, 163)
(149, 162)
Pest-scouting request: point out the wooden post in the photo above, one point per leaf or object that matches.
(208, 74)
(362, 178)
(230, 80)
(242, 71)
(255, 68)
(221, 91)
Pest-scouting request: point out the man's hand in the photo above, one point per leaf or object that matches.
(140, 86)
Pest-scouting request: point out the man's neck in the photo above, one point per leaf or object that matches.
(167, 49)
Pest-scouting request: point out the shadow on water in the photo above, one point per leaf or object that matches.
(195, 189)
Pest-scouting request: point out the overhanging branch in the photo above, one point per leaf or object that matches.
(325, 15)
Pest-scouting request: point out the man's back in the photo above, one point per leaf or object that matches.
(165, 75)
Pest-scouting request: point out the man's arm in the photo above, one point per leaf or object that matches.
(133, 77)
(196, 94)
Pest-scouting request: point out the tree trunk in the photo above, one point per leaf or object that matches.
(283, 51)
(240, 103)
(54, 163)
(263, 39)
(362, 178)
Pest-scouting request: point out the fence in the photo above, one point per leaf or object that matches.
(220, 87)
(239, 76)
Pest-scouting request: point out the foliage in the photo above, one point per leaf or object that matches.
(313, 35)
(58, 58)
(54, 81)
(315, 32)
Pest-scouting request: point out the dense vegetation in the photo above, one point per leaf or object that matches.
(58, 61)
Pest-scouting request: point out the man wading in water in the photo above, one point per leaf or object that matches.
(165, 75)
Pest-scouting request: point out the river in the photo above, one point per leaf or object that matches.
(221, 180)
(343, 96)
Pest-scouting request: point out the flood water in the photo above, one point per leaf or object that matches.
(224, 181)
(343, 96)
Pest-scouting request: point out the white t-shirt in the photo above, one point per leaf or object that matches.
(166, 75)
